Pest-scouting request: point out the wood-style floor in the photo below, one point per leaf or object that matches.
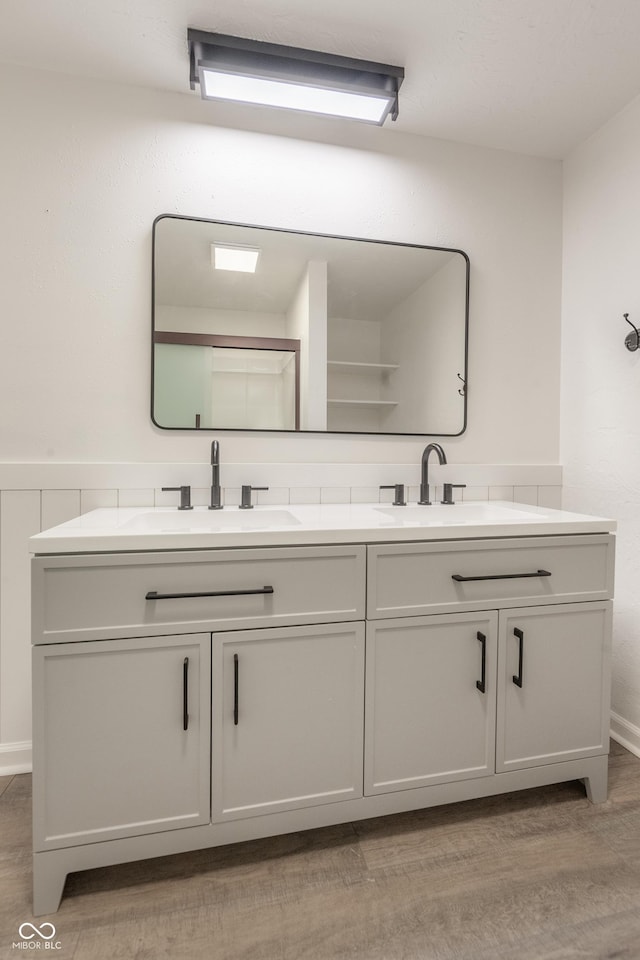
(536, 875)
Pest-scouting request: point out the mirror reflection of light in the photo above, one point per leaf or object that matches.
(240, 259)
(294, 96)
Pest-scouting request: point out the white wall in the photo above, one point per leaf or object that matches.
(601, 378)
(206, 320)
(85, 169)
(424, 335)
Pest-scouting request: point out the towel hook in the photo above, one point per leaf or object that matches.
(632, 340)
(462, 391)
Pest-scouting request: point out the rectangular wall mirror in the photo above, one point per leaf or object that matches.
(257, 328)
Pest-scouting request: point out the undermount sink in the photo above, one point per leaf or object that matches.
(203, 520)
(485, 512)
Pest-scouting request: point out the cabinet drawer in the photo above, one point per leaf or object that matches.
(93, 597)
(414, 579)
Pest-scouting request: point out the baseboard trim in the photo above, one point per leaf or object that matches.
(625, 733)
(15, 758)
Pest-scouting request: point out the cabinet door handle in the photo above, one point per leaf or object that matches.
(185, 694)
(481, 684)
(517, 678)
(236, 677)
(501, 576)
(154, 595)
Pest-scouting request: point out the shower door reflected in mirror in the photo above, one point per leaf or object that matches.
(226, 383)
(319, 334)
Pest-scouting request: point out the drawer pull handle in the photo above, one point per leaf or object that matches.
(481, 684)
(236, 676)
(185, 694)
(501, 576)
(154, 595)
(517, 678)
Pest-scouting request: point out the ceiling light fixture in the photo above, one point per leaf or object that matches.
(269, 74)
(234, 257)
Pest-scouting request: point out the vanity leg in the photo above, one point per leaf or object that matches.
(596, 784)
(49, 877)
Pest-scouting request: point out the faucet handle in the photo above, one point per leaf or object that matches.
(399, 500)
(185, 497)
(245, 503)
(447, 497)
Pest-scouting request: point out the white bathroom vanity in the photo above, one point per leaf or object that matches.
(207, 677)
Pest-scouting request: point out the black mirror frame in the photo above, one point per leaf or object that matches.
(464, 383)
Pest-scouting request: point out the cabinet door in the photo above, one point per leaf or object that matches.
(553, 684)
(287, 718)
(430, 718)
(121, 738)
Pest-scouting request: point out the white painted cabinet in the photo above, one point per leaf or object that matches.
(553, 684)
(196, 698)
(104, 596)
(287, 718)
(431, 700)
(121, 738)
(461, 696)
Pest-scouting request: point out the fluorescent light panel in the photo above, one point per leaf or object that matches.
(266, 74)
(293, 96)
(237, 258)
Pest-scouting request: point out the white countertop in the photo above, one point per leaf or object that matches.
(167, 528)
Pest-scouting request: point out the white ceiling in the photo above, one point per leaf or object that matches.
(534, 76)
